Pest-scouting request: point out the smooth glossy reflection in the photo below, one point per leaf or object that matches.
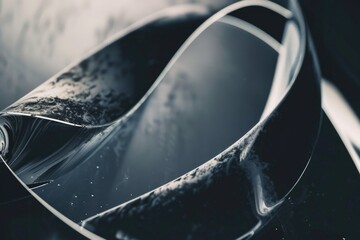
(73, 112)
(170, 124)
(211, 97)
(246, 182)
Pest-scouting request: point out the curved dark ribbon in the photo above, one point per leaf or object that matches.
(230, 196)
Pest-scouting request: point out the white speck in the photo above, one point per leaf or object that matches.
(75, 196)
(91, 182)
(97, 167)
(92, 195)
(58, 185)
(120, 235)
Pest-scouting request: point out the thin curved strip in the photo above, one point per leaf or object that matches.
(344, 119)
(246, 182)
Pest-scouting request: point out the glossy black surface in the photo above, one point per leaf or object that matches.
(324, 204)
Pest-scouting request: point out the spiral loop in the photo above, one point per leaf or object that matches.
(4, 140)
